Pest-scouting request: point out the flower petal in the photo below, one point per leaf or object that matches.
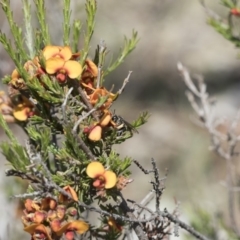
(21, 112)
(38, 228)
(53, 65)
(55, 225)
(36, 205)
(72, 192)
(73, 68)
(15, 74)
(94, 169)
(89, 86)
(69, 235)
(31, 228)
(105, 120)
(112, 223)
(65, 53)
(75, 55)
(110, 179)
(78, 226)
(61, 210)
(48, 203)
(5, 109)
(39, 216)
(92, 68)
(95, 134)
(72, 211)
(28, 205)
(51, 215)
(50, 51)
(99, 92)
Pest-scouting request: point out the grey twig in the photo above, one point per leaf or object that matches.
(145, 201)
(28, 195)
(156, 185)
(102, 48)
(88, 104)
(205, 113)
(84, 146)
(65, 104)
(129, 216)
(184, 225)
(126, 80)
(81, 119)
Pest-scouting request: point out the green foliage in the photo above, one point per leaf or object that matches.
(41, 137)
(142, 119)
(44, 32)
(66, 22)
(38, 44)
(72, 147)
(16, 32)
(76, 34)
(51, 93)
(59, 110)
(91, 8)
(229, 3)
(129, 46)
(53, 88)
(13, 151)
(118, 165)
(224, 30)
(6, 79)
(225, 26)
(28, 28)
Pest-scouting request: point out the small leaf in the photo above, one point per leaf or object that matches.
(129, 46)
(142, 119)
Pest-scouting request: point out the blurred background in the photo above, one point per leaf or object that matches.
(170, 31)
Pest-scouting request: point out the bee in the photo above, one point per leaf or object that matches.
(18, 83)
(122, 125)
(16, 87)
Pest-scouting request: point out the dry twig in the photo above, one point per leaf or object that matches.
(200, 102)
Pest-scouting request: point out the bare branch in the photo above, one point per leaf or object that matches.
(81, 119)
(126, 80)
(86, 101)
(205, 113)
(65, 104)
(183, 225)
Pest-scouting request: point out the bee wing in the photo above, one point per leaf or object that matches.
(130, 126)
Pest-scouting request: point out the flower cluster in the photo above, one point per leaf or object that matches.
(56, 94)
(55, 68)
(58, 63)
(95, 95)
(49, 218)
(61, 65)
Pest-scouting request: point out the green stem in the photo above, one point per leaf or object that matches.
(66, 22)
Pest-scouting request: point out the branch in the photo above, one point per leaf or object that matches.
(204, 111)
(126, 80)
(88, 104)
(183, 225)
